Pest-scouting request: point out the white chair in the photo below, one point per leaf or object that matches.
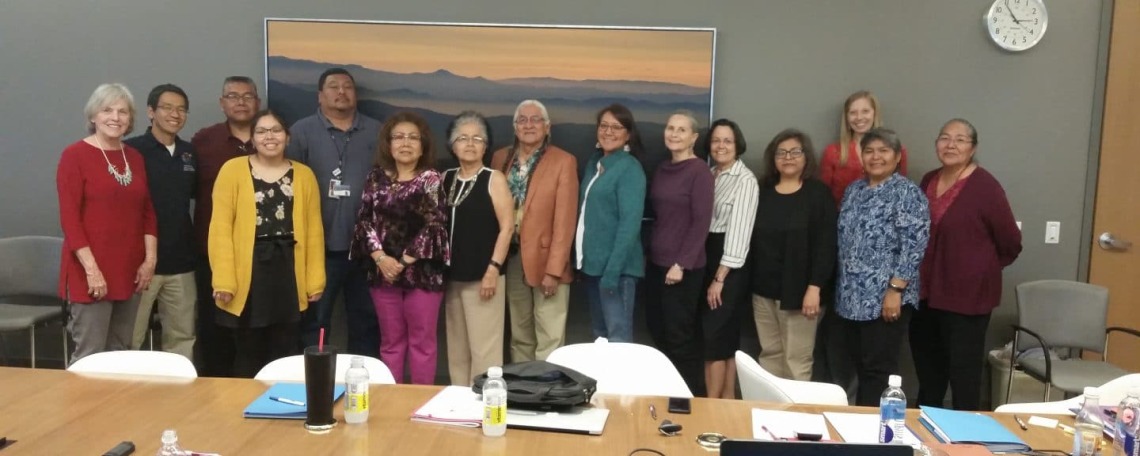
(623, 368)
(292, 369)
(133, 362)
(757, 384)
(1110, 394)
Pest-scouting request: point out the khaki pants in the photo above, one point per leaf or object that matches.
(474, 330)
(787, 339)
(538, 322)
(176, 295)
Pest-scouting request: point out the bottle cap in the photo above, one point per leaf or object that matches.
(895, 381)
(169, 436)
(357, 361)
(1092, 391)
(495, 372)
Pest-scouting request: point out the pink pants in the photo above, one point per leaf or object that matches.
(408, 320)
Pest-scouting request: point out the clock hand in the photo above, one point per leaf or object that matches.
(1015, 19)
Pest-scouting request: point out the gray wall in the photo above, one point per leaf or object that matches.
(780, 63)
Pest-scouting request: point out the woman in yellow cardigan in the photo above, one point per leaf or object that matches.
(266, 247)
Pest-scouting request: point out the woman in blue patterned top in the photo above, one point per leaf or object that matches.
(884, 225)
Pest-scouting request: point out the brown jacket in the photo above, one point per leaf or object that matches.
(550, 215)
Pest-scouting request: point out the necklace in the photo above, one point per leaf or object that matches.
(952, 183)
(454, 198)
(124, 179)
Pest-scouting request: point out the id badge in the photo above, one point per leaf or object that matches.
(338, 189)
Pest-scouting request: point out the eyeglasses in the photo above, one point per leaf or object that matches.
(476, 140)
(725, 141)
(169, 108)
(234, 97)
(959, 141)
(396, 137)
(616, 128)
(530, 120)
(266, 131)
(789, 154)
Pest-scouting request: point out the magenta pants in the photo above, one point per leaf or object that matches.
(408, 320)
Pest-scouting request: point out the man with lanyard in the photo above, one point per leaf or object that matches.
(171, 172)
(339, 144)
(215, 145)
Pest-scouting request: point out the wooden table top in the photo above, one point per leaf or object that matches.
(54, 412)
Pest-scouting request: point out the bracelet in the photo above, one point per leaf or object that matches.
(497, 265)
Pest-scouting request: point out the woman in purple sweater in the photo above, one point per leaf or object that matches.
(972, 237)
(682, 197)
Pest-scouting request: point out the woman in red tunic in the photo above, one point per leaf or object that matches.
(840, 164)
(108, 226)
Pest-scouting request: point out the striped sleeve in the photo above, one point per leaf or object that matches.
(745, 194)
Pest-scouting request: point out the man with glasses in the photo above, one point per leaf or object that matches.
(215, 145)
(170, 169)
(543, 180)
(339, 143)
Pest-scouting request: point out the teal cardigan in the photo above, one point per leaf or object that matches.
(611, 240)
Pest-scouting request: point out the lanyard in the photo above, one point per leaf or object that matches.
(339, 150)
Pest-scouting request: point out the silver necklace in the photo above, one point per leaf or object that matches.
(124, 179)
(455, 199)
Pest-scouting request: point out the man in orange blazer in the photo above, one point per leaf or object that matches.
(544, 186)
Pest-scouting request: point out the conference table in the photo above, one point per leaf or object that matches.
(55, 412)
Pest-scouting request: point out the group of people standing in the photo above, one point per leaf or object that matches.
(288, 218)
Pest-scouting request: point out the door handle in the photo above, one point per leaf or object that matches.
(1109, 242)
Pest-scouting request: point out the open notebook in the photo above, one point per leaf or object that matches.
(264, 407)
(459, 406)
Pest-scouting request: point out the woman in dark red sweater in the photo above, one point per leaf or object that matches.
(973, 236)
(109, 228)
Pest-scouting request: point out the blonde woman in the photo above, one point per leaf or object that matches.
(840, 165)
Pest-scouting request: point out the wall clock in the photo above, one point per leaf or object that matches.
(1016, 25)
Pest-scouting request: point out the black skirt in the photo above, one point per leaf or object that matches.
(272, 288)
(721, 327)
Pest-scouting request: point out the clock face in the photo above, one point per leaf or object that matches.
(1016, 25)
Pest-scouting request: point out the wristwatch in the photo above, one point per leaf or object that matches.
(402, 261)
(896, 287)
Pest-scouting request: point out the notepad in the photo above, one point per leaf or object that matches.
(777, 424)
(459, 406)
(264, 407)
(862, 428)
(951, 426)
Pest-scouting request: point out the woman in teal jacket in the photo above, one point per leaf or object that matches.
(608, 236)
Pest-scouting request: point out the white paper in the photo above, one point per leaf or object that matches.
(767, 424)
(454, 405)
(1043, 422)
(861, 427)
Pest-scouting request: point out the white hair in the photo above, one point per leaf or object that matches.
(106, 95)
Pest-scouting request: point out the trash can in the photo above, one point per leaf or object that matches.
(1025, 388)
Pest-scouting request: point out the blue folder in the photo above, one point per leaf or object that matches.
(264, 407)
(952, 426)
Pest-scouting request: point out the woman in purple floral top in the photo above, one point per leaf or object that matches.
(402, 227)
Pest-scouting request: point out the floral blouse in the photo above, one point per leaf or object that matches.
(404, 218)
(274, 203)
(883, 232)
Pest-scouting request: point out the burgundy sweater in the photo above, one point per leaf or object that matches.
(682, 198)
(976, 238)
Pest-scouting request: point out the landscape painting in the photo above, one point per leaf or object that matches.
(439, 70)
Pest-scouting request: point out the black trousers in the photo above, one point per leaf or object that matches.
(949, 349)
(875, 348)
(831, 357)
(672, 314)
(256, 347)
(214, 348)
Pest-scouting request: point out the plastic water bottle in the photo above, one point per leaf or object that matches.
(494, 403)
(356, 392)
(1127, 425)
(170, 444)
(1089, 427)
(892, 412)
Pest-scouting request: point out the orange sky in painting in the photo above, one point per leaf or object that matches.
(499, 53)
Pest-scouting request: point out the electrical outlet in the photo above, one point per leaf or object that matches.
(1052, 232)
(1019, 225)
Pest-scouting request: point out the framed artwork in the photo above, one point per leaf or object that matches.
(441, 69)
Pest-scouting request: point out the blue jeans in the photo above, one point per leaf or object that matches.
(363, 327)
(611, 311)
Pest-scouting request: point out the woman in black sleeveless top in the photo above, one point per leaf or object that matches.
(481, 213)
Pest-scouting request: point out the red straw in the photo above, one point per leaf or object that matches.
(321, 341)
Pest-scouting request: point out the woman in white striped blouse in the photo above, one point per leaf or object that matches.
(734, 212)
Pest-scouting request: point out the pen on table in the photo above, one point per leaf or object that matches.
(769, 432)
(1020, 423)
(652, 411)
(285, 400)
